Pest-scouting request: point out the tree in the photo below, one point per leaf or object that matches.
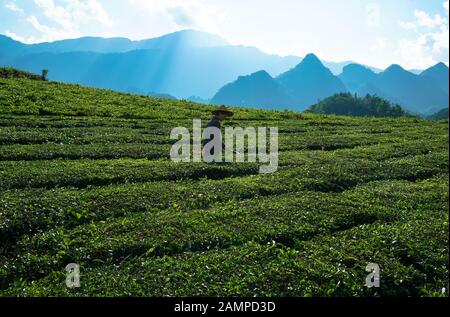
(346, 104)
(44, 74)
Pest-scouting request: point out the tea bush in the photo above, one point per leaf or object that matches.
(85, 177)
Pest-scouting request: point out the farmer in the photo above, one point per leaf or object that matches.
(219, 114)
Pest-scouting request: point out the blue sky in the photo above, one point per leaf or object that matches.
(412, 33)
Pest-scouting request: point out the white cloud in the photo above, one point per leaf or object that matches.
(74, 12)
(417, 53)
(441, 40)
(424, 19)
(13, 7)
(431, 44)
(57, 14)
(51, 34)
(195, 14)
(67, 18)
(46, 33)
(15, 36)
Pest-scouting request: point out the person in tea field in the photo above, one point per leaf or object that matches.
(219, 115)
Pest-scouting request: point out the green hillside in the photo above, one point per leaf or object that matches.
(85, 177)
(7, 72)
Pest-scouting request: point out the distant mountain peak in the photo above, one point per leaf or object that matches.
(438, 67)
(438, 73)
(261, 74)
(395, 68)
(441, 65)
(311, 59)
(310, 81)
(257, 89)
(193, 38)
(357, 67)
(310, 63)
(355, 76)
(195, 33)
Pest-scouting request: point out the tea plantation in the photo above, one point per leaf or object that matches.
(85, 177)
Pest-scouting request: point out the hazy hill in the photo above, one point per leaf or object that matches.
(192, 63)
(440, 115)
(415, 92)
(185, 38)
(295, 89)
(9, 48)
(355, 76)
(310, 81)
(338, 67)
(258, 89)
(182, 64)
(440, 75)
(422, 93)
(206, 59)
(181, 73)
(161, 95)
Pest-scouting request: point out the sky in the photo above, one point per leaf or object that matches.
(412, 33)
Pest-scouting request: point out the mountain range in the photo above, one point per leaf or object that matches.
(310, 81)
(184, 63)
(192, 63)
(297, 88)
(425, 92)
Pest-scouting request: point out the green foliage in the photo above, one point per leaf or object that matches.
(85, 177)
(6, 72)
(351, 105)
